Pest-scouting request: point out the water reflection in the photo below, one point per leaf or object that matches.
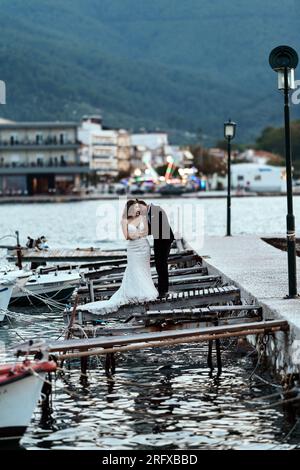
(160, 398)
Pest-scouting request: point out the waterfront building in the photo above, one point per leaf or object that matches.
(149, 148)
(253, 177)
(124, 152)
(39, 158)
(258, 178)
(107, 151)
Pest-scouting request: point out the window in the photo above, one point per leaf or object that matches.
(14, 139)
(257, 177)
(39, 138)
(240, 178)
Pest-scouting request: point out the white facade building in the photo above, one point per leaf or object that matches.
(150, 143)
(253, 177)
(150, 140)
(106, 150)
(39, 157)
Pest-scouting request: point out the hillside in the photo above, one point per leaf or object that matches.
(176, 65)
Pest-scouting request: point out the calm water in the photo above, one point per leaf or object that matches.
(157, 398)
(97, 222)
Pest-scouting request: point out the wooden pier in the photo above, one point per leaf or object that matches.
(199, 307)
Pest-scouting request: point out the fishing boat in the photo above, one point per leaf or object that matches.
(20, 389)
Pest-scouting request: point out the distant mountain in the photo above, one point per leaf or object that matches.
(169, 64)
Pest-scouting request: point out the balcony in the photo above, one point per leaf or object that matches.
(51, 143)
(41, 168)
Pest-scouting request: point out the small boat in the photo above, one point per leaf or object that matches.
(7, 284)
(20, 389)
(57, 285)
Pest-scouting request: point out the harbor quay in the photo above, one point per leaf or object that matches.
(259, 270)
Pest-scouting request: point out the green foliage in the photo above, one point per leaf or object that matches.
(207, 164)
(179, 66)
(273, 140)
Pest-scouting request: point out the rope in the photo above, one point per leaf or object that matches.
(23, 318)
(36, 374)
(49, 301)
(267, 382)
(261, 350)
(8, 236)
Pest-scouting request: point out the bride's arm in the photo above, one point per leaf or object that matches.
(124, 225)
(126, 233)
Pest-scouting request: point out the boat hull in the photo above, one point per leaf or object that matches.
(12, 433)
(39, 288)
(15, 412)
(5, 295)
(20, 390)
(62, 295)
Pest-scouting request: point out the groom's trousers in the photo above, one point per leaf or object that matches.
(161, 253)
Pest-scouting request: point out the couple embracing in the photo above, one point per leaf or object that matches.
(138, 221)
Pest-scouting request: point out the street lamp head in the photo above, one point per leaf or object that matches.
(284, 59)
(229, 129)
(283, 56)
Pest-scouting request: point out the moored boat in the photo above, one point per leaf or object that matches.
(20, 389)
(6, 289)
(58, 285)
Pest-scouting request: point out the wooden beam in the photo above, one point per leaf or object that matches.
(92, 331)
(184, 335)
(105, 276)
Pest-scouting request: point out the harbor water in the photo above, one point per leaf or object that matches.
(161, 398)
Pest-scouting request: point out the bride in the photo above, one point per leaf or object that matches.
(137, 284)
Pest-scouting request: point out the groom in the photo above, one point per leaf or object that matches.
(159, 227)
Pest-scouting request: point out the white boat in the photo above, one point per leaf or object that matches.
(6, 289)
(36, 288)
(20, 390)
(8, 282)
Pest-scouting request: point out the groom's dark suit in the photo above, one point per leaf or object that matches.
(163, 236)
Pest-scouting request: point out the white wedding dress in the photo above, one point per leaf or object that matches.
(137, 284)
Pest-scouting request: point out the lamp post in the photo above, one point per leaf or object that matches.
(229, 133)
(284, 60)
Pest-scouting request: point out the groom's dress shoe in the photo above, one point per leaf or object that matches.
(163, 295)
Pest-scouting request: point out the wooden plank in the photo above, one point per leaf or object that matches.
(78, 254)
(106, 342)
(109, 289)
(119, 265)
(68, 257)
(181, 302)
(90, 331)
(206, 313)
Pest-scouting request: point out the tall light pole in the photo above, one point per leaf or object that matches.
(229, 133)
(284, 60)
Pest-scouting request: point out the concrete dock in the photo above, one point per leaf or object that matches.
(260, 271)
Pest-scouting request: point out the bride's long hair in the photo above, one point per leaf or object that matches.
(128, 204)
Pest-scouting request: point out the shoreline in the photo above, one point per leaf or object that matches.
(108, 197)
